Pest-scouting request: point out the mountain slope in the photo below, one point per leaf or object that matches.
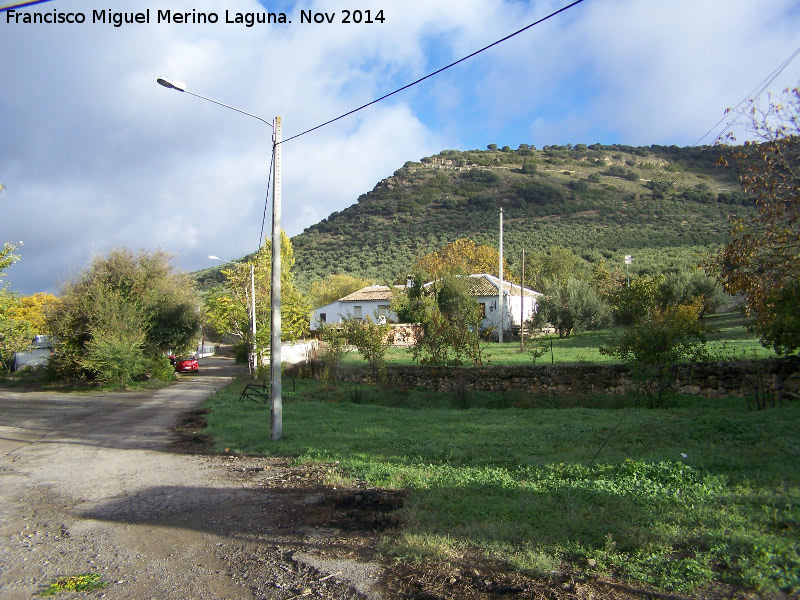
(664, 205)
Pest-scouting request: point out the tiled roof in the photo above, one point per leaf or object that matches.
(483, 284)
(373, 292)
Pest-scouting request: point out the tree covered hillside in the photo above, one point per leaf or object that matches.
(664, 205)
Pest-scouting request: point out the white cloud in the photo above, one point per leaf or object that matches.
(96, 155)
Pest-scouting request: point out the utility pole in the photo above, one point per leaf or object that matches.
(275, 402)
(522, 306)
(253, 317)
(500, 287)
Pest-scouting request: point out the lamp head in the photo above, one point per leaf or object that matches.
(172, 84)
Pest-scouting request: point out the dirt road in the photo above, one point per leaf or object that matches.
(89, 483)
(102, 483)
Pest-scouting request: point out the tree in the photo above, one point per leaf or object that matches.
(463, 257)
(559, 264)
(762, 260)
(34, 309)
(333, 287)
(371, 339)
(653, 346)
(15, 331)
(117, 348)
(571, 306)
(228, 306)
(7, 257)
(334, 337)
(449, 318)
(636, 301)
(682, 287)
(123, 305)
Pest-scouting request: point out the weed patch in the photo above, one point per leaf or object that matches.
(75, 583)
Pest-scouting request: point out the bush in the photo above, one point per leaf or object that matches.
(571, 306)
(653, 347)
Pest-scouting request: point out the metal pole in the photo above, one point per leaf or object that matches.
(275, 402)
(500, 287)
(253, 314)
(522, 306)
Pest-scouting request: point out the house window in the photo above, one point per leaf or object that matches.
(483, 310)
(357, 312)
(323, 318)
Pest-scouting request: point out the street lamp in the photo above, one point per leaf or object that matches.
(254, 355)
(276, 406)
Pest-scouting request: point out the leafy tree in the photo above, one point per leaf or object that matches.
(116, 350)
(571, 306)
(762, 260)
(7, 257)
(106, 307)
(15, 331)
(682, 287)
(228, 306)
(636, 301)
(332, 288)
(607, 281)
(463, 257)
(449, 317)
(558, 265)
(334, 337)
(371, 339)
(34, 309)
(653, 346)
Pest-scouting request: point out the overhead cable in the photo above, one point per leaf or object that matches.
(429, 75)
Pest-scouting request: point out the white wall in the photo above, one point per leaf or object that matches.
(336, 312)
(512, 310)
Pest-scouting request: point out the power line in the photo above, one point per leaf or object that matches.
(266, 200)
(759, 89)
(429, 75)
(753, 95)
(22, 5)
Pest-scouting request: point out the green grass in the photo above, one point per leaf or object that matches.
(730, 341)
(686, 497)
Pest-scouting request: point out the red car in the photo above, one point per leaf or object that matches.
(186, 365)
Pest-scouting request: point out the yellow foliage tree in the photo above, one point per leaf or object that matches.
(464, 257)
(333, 287)
(34, 309)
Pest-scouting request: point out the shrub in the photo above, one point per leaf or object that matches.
(653, 347)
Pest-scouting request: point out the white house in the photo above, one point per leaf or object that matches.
(519, 303)
(366, 302)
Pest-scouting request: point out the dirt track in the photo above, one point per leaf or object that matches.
(104, 483)
(90, 483)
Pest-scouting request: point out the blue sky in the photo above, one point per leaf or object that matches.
(95, 155)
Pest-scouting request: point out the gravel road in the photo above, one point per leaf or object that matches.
(91, 483)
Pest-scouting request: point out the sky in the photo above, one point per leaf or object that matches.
(95, 155)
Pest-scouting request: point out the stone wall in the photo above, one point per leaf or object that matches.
(707, 379)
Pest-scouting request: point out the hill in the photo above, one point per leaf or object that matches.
(665, 205)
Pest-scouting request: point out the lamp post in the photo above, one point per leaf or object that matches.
(253, 356)
(275, 403)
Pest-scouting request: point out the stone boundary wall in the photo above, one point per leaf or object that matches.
(711, 380)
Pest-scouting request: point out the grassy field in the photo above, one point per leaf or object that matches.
(730, 341)
(690, 496)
